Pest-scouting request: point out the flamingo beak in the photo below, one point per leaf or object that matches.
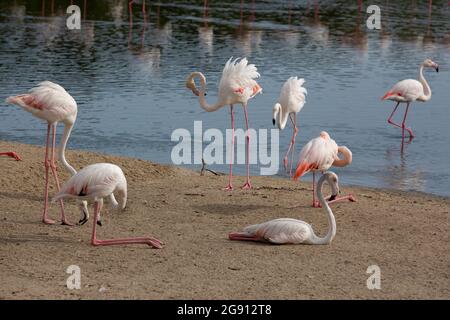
(332, 197)
(273, 121)
(437, 68)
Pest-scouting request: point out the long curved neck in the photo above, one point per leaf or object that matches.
(282, 117)
(426, 87)
(347, 157)
(67, 130)
(331, 221)
(201, 97)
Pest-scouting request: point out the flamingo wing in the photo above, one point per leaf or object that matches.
(405, 90)
(293, 95)
(282, 231)
(238, 78)
(317, 154)
(94, 181)
(48, 101)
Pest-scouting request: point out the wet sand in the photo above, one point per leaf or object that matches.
(406, 234)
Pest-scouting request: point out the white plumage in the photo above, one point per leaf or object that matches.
(293, 231)
(292, 99)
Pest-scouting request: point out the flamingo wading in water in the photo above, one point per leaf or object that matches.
(95, 182)
(320, 154)
(293, 231)
(291, 101)
(407, 91)
(51, 102)
(237, 85)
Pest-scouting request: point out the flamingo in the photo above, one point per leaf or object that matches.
(95, 182)
(407, 91)
(51, 102)
(320, 154)
(293, 231)
(237, 85)
(11, 154)
(290, 102)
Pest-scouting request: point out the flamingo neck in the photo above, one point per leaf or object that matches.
(67, 130)
(331, 220)
(426, 87)
(347, 157)
(201, 93)
(283, 117)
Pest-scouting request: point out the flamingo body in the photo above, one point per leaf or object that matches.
(293, 231)
(292, 99)
(95, 182)
(408, 90)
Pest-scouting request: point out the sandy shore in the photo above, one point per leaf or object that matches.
(405, 234)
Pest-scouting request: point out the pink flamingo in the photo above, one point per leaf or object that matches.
(51, 102)
(320, 154)
(290, 102)
(237, 85)
(407, 91)
(11, 154)
(95, 182)
(293, 231)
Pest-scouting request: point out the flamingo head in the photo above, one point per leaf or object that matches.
(333, 182)
(431, 64)
(276, 110)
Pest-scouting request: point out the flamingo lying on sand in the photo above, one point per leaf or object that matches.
(290, 102)
(11, 154)
(237, 85)
(292, 231)
(320, 154)
(95, 182)
(407, 91)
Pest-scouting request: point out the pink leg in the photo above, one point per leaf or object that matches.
(229, 187)
(247, 184)
(315, 204)
(411, 135)
(45, 218)
(143, 8)
(155, 243)
(243, 236)
(11, 154)
(285, 159)
(294, 123)
(337, 199)
(55, 175)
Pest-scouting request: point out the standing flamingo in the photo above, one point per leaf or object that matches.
(293, 231)
(407, 91)
(290, 102)
(11, 154)
(237, 85)
(95, 182)
(320, 154)
(51, 102)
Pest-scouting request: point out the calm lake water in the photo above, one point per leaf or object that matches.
(129, 81)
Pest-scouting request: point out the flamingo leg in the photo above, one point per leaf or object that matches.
(243, 237)
(229, 187)
(55, 175)
(155, 243)
(291, 144)
(45, 218)
(349, 197)
(316, 203)
(11, 154)
(390, 121)
(247, 184)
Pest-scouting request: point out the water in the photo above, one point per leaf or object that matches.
(129, 81)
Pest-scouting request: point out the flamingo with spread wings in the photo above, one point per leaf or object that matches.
(237, 85)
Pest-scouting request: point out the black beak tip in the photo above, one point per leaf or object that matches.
(273, 121)
(332, 197)
(99, 223)
(205, 94)
(437, 69)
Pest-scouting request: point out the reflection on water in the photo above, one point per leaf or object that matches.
(127, 73)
